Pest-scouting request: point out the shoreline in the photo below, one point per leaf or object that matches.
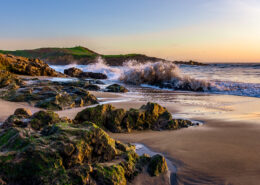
(217, 152)
(207, 154)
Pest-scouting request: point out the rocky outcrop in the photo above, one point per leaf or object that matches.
(52, 95)
(149, 116)
(26, 66)
(157, 165)
(116, 88)
(78, 73)
(47, 149)
(9, 80)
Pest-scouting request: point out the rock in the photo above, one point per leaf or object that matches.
(63, 153)
(116, 88)
(157, 165)
(92, 87)
(96, 114)
(59, 102)
(26, 66)
(51, 96)
(9, 80)
(149, 116)
(19, 118)
(44, 118)
(75, 72)
(110, 175)
(93, 75)
(23, 112)
(105, 116)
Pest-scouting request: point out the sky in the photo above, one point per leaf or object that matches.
(202, 30)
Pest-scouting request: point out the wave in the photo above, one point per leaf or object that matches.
(166, 75)
(163, 74)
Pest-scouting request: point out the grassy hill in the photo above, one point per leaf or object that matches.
(53, 52)
(77, 55)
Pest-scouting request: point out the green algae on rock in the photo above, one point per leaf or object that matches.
(51, 96)
(157, 165)
(116, 88)
(7, 79)
(47, 149)
(149, 116)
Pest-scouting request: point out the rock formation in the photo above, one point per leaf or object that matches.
(116, 88)
(52, 95)
(78, 73)
(149, 116)
(45, 149)
(26, 66)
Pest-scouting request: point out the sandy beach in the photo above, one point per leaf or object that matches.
(217, 152)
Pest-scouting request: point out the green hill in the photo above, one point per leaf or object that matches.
(79, 55)
(45, 53)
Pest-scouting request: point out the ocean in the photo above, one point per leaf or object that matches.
(215, 91)
(228, 79)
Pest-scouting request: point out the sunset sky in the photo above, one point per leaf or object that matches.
(203, 30)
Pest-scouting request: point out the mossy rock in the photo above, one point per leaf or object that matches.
(112, 175)
(63, 153)
(7, 79)
(157, 165)
(59, 102)
(23, 112)
(19, 118)
(44, 118)
(116, 88)
(149, 116)
(96, 114)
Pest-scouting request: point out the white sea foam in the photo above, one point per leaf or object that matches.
(170, 76)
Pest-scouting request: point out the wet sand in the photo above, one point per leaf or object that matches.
(215, 153)
(218, 152)
(7, 108)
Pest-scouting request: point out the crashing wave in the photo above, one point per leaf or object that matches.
(162, 74)
(166, 75)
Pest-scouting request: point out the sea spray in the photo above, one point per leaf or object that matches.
(162, 74)
(170, 76)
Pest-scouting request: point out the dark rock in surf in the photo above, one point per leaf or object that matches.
(73, 72)
(93, 75)
(157, 165)
(116, 88)
(78, 73)
(92, 87)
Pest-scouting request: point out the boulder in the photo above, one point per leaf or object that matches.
(149, 116)
(9, 80)
(23, 112)
(92, 87)
(63, 153)
(157, 165)
(19, 118)
(51, 96)
(93, 75)
(73, 72)
(26, 66)
(43, 118)
(116, 88)
(78, 73)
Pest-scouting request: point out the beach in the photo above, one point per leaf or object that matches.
(220, 151)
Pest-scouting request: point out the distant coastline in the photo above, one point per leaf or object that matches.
(84, 56)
